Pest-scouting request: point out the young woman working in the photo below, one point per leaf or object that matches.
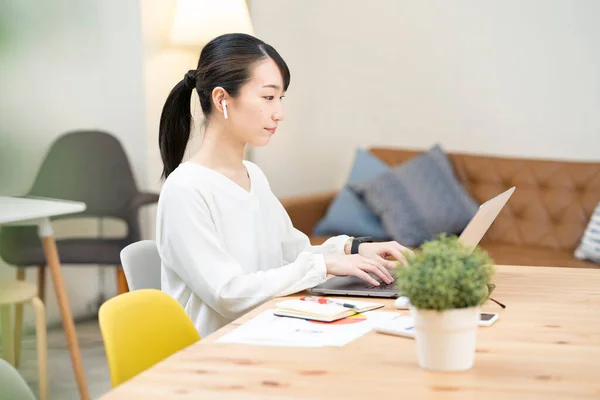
(226, 243)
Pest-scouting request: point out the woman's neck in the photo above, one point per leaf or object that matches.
(220, 150)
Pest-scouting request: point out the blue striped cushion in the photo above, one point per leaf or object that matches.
(589, 247)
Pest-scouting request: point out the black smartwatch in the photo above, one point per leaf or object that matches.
(357, 241)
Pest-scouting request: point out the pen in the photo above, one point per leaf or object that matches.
(322, 300)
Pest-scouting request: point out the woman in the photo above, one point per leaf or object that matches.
(225, 241)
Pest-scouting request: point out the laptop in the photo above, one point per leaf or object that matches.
(471, 236)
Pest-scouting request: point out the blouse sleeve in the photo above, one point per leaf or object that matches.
(188, 244)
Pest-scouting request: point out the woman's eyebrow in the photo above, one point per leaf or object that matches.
(276, 87)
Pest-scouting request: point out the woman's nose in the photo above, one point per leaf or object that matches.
(278, 115)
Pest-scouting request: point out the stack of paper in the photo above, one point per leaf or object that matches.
(268, 329)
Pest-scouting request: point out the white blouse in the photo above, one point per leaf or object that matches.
(225, 250)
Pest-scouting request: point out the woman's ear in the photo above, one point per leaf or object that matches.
(218, 95)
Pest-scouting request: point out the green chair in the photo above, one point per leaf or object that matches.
(12, 384)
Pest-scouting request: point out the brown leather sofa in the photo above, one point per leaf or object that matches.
(542, 223)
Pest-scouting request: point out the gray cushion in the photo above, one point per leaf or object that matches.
(347, 214)
(419, 199)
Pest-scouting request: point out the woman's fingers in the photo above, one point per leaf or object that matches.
(404, 250)
(383, 268)
(365, 277)
(387, 273)
(400, 252)
(397, 254)
(379, 272)
(380, 264)
(388, 264)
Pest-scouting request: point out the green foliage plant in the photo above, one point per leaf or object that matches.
(444, 275)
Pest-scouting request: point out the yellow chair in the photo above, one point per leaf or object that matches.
(140, 329)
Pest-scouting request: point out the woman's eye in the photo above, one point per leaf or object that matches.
(269, 97)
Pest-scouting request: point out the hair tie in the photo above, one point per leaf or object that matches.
(189, 80)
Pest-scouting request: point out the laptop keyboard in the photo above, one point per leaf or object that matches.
(385, 286)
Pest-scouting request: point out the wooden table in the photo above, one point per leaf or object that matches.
(37, 212)
(545, 345)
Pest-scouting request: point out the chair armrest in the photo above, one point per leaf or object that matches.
(142, 199)
(306, 211)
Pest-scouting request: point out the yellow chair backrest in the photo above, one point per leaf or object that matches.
(141, 328)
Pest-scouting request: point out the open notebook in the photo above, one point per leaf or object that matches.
(322, 312)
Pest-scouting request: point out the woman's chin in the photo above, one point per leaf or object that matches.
(260, 141)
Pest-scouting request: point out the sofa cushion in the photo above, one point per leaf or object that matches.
(419, 199)
(589, 247)
(347, 213)
(550, 208)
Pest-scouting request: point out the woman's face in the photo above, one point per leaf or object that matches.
(255, 113)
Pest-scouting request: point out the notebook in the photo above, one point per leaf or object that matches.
(329, 312)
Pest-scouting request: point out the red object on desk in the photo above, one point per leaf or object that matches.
(319, 300)
(322, 300)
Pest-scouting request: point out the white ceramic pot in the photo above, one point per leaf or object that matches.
(446, 339)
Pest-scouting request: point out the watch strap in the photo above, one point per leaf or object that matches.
(357, 241)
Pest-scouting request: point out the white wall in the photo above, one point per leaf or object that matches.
(164, 65)
(69, 65)
(508, 77)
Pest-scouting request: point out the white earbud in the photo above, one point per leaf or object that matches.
(224, 104)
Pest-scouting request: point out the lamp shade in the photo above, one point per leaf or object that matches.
(197, 22)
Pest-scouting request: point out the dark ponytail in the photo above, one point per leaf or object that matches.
(226, 62)
(175, 124)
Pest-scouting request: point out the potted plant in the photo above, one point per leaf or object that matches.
(446, 283)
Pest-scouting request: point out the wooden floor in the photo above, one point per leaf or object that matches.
(61, 379)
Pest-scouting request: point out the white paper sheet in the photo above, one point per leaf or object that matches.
(267, 329)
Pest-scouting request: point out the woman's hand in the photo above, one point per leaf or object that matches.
(379, 251)
(357, 265)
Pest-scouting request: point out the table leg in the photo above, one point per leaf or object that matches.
(8, 351)
(53, 263)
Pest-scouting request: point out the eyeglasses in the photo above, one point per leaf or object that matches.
(491, 288)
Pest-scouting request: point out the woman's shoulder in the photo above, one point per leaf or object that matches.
(186, 181)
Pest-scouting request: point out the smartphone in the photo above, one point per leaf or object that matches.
(487, 319)
(403, 325)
